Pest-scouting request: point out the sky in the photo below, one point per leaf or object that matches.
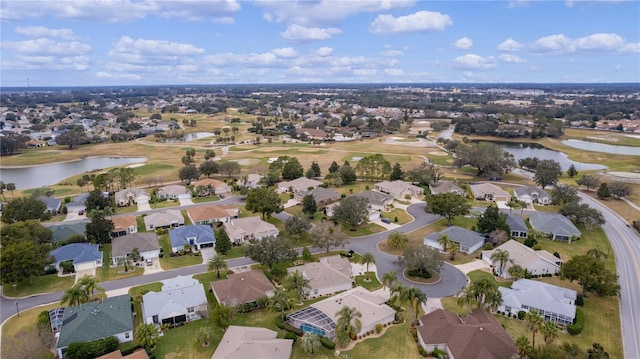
(151, 42)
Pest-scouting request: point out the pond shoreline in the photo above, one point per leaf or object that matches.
(70, 161)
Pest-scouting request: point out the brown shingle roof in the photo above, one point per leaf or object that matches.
(121, 223)
(242, 288)
(198, 214)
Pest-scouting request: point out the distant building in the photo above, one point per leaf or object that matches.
(252, 343)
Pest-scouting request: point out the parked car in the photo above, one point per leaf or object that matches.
(385, 220)
(149, 261)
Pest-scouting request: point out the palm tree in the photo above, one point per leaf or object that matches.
(297, 284)
(517, 271)
(124, 261)
(485, 293)
(11, 187)
(205, 336)
(534, 323)
(397, 291)
(280, 301)
(397, 240)
(135, 253)
(597, 253)
(348, 321)
(147, 335)
(310, 342)
(522, 342)
(389, 279)
(217, 263)
(466, 298)
(549, 332)
(368, 259)
(74, 296)
(415, 297)
(89, 284)
(501, 256)
(444, 241)
(453, 249)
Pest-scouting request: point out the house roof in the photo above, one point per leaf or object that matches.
(459, 235)
(209, 181)
(522, 255)
(124, 194)
(516, 223)
(397, 187)
(240, 227)
(172, 190)
(445, 187)
(178, 294)
(77, 252)
(201, 232)
(302, 182)
(138, 354)
(243, 287)
(164, 218)
(321, 194)
(121, 223)
(541, 296)
(251, 343)
(218, 211)
(53, 204)
(329, 272)
(123, 245)
(377, 198)
(553, 223)
(96, 320)
(483, 189)
(476, 336)
(64, 231)
(530, 190)
(78, 201)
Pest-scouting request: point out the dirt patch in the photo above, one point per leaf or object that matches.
(438, 153)
(20, 334)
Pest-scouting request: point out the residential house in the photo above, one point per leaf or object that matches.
(170, 218)
(321, 317)
(77, 205)
(553, 303)
(243, 229)
(138, 354)
(91, 321)
(555, 225)
(398, 189)
(298, 185)
(131, 196)
(530, 194)
(489, 192)
(210, 186)
(197, 236)
(251, 181)
(517, 226)
(446, 187)
(182, 299)
(173, 192)
(53, 204)
(251, 343)
(123, 225)
(469, 241)
(146, 243)
(311, 134)
(322, 196)
(212, 214)
(62, 232)
(329, 275)
(242, 288)
(536, 262)
(82, 255)
(477, 336)
(377, 201)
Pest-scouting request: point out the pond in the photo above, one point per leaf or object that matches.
(603, 147)
(53, 173)
(523, 150)
(192, 137)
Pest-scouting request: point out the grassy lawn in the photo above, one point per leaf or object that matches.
(136, 294)
(234, 252)
(140, 222)
(164, 204)
(205, 199)
(402, 216)
(369, 228)
(20, 337)
(106, 273)
(127, 209)
(371, 285)
(187, 220)
(168, 262)
(479, 274)
(41, 284)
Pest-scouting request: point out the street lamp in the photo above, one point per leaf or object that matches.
(17, 309)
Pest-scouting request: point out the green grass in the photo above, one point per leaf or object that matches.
(369, 228)
(106, 273)
(479, 274)
(127, 209)
(20, 337)
(168, 262)
(40, 284)
(164, 204)
(187, 220)
(371, 285)
(140, 222)
(205, 199)
(136, 294)
(235, 252)
(401, 214)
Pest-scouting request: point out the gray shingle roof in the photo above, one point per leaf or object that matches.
(145, 242)
(376, 198)
(53, 204)
(553, 223)
(516, 223)
(540, 295)
(64, 231)
(459, 235)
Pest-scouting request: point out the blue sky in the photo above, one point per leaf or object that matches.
(148, 42)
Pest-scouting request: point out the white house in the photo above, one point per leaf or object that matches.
(329, 275)
(169, 218)
(555, 225)
(173, 192)
(244, 229)
(182, 299)
(489, 192)
(398, 189)
(130, 196)
(530, 194)
(555, 304)
(469, 241)
(536, 262)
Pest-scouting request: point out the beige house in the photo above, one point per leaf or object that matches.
(330, 275)
(252, 343)
(446, 187)
(123, 225)
(399, 189)
(130, 196)
(244, 229)
(173, 192)
(298, 185)
(169, 218)
(322, 196)
(209, 186)
(212, 214)
(489, 192)
(536, 262)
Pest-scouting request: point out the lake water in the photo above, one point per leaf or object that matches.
(603, 147)
(50, 174)
(193, 136)
(523, 150)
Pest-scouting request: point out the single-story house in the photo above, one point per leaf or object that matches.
(212, 214)
(170, 218)
(146, 243)
(251, 181)
(322, 196)
(62, 232)
(517, 226)
(252, 343)
(477, 336)
(138, 354)
(329, 275)
(209, 186)
(311, 133)
(531, 194)
(173, 192)
(91, 321)
(82, 255)
(182, 299)
(555, 304)
(446, 187)
(298, 185)
(123, 225)
(398, 189)
(489, 192)
(242, 288)
(197, 235)
(555, 225)
(372, 214)
(53, 204)
(131, 196)
(77, 204)
(243, 229)
(469, 241)
(321, 317)
(536, 262)
(377, 201)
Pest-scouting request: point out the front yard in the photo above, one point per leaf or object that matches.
(40, 284)
(167, 262)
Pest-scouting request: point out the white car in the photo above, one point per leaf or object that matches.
(149, 261)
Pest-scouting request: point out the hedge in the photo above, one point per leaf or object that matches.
(128, 348)
(422, 351)
(291, 335)
(279, 322)
(579, 300)
(327, 343)
(521, 314)
(575, 329)
(288, 327)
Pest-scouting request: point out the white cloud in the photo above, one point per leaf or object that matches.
(41, 31)
(249, 60)
(633, 47)
(573, 3)
(511, 58)
(392, 53)
(107, 75)
(98, 11)
(365, 72)
(150, 51)
(553, 43)
(301, 33)
(464, 43)
(193, 10)
(224, 20)
(394, 72)
(323, 51)
(474, 62)
(44, 46)
(510, 45)
(420, 21)
(599, 42)
(286, 52)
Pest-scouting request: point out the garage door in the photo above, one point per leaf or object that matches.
(206, 245)
(85, 265)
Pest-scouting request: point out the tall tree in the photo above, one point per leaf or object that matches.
(589, 181)
(89, 284)
(23, 259)
(389, 279)
(296, 226)
(96, 200)
(209, 168)
(351, 210)
(502, 257)
(11, 187)
(396, 173)
(618, 189)
(347, 173)
(491, 219)
(523, 345)
(315, 169)
(572, 171)
(222, 315)
(448, 205)
(269, 251)
(373, 168)
(334, 167)
(264, 200)
(22, 209)
(217, 263)
(423, 259)
(444, 241)
(534, 324)
(424, 174)
(74, 296)
(99, 229)
(368, 259)
(292, 169)
(415, 297)
(147, 335)
(326, 235)
(309, 205)
(562, 194)
(591, 274)
(488, 158)
(466, 298)
(310, 343)
(280, 301)
(223, 243)
(229, 168)
(72, 138)
(297, 284)
(549, 331)
(547, 173)
(189, 173)
(485, 293)
(603, 190)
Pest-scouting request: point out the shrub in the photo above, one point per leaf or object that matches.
(291, 335)
(418, 273)
(395, 219)
(378, 328)
(521, 314)
(556, 254)
(279, 322)
(288, 327)
(327, 343)
(422, 351)
(65, 210)
(575, 329)
(128, 348)
(67, 200)
(580, 300)
(529, 242)
(437, 353)
(537, 247)
(488, 246)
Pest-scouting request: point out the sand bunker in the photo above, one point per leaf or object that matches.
(250, 161)
(438, 153)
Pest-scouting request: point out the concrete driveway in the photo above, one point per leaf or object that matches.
(82, 273)
(207, 253)
(155, 267)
